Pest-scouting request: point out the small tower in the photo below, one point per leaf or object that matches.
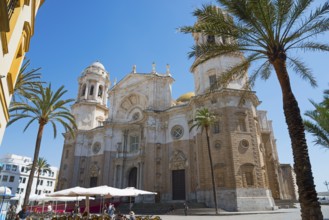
(206, 74)
(90, 109)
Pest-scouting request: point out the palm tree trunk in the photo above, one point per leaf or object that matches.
(35, 159)
(310, 207)
(38, 177)
(212, 172)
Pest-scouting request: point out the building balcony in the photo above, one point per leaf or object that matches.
(7, 8)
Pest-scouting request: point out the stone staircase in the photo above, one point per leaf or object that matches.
(285, 204)
(172, 208)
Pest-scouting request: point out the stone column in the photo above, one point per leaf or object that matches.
(139, 176)
(76, 172)
(80, 90)
(87, 90)
(96, 91)
(115, 176)
(104, 95)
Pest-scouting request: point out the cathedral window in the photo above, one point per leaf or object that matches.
(100, 91)
(210, 39)
(66, 153)
(242, 124)
(224, 40)
(244, 143)
(218, 144)
(177, 132)
(212, 81)
(247, 171)
(136, 116)
(91, 90)
(96, 147)
(83, 90)
(134, 143)
(249, 178)
(216, 127)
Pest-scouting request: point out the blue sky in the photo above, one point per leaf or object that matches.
(70, 35)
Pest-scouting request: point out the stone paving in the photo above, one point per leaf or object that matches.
(281, 214)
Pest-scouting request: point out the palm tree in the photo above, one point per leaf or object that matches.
(318, 125)
(26, 84)
(205, 119)
(41, 167)
(266, 30)
(45, 107)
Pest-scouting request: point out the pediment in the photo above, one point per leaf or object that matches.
(131, 81)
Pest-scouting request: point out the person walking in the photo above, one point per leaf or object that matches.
(132, 215)
(111, 210)
(185, 208)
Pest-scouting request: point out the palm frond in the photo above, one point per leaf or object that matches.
(283, 7)
(26, 82)
(314, 24)
(245, 13)
(312, 46)
(304, 72)
(321, 136)
(318, 124)
(294, 14)
(238, 70)
(264, 72)
(47, 106)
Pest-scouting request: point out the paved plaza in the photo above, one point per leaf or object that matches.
(281, 214)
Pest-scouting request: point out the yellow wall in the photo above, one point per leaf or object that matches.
(14, 44)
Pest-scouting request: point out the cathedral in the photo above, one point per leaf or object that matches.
(133, 133)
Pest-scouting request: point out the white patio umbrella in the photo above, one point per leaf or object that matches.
(15, 198)
(73, 192)
(132, 191)
(106, 192)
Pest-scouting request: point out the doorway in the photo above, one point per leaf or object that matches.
(132, 179)
(178, 184)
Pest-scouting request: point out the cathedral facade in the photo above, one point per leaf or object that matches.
(134, 133)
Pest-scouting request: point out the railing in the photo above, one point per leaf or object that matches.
(11, 4)
(128, 154)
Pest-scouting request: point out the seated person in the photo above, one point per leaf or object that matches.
(23, 214)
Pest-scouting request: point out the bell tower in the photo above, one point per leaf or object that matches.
(90, 110)
(207, 73)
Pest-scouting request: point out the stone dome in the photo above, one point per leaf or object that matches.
(95, 68)
(186, 97)
(98, 64)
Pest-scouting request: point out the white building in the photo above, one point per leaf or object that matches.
(15, 175)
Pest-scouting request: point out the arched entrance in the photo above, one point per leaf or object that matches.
(132, 179)
(178, 163)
